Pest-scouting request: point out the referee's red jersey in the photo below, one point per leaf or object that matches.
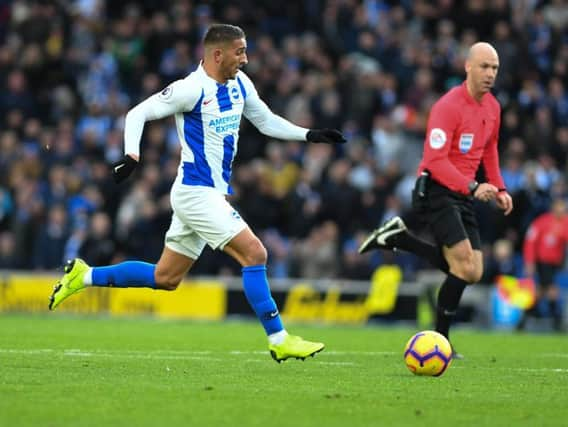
(462, 133)
(546, 240)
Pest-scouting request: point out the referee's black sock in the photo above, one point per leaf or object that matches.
(410, 243)
(553, 307)
(448, 301)
(555, 313)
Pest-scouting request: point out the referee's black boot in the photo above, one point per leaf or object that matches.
(384, 236)
(456, 355)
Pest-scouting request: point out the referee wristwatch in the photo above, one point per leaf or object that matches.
(472, 186)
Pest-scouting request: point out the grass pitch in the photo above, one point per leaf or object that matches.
(75, 371)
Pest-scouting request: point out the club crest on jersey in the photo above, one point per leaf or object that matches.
(466, 141)
(234, 94)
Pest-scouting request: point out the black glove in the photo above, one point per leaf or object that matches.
(123, 168)
(327, 136)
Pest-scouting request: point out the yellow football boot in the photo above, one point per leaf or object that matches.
(294, 346)
(70, 283)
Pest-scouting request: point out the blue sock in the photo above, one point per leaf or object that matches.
(129, 274)
(256, 288)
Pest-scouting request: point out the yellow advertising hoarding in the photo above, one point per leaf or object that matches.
(303, 303)
(208, 299)
(198, 299)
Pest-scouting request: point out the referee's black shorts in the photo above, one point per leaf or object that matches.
(449, 215)
(547, 274)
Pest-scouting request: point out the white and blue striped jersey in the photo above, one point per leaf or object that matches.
(208, 116)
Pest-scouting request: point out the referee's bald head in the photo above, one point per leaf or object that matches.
(481, 67)
(481, 49)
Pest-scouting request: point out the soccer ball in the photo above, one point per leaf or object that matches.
(428, 353)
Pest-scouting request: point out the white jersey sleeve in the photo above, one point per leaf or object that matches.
(268, 123)
(178, 97)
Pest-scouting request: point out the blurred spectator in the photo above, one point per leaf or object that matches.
(146, 234)
(281, 173)
(27, 212)
(544, 254)
(8, 254)
(303, 205)
(278, 248)
(388, 141)
(353, 265)
(316, 256)
(340, 201)
(98, 248)
(15, 95)
(52, 237)
(555, 14)
(501, 260)
(6, 206)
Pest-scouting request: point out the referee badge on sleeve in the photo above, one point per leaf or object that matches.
(437, 138)
(466, 141)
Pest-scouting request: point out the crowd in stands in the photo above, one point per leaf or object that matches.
(70, 70)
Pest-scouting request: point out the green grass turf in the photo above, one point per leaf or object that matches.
(75, 371)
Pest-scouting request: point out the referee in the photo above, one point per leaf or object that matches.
(544, 253)
(462, 133)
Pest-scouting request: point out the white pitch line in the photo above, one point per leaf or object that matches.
(329, 353)
(557, 370)
(207, 352)
(24, 351)
(125, 355)
(360, 353)
(163, 355)
(80, 352)
(336, 363)
(504, 368)
(142, 356)
(206, 355)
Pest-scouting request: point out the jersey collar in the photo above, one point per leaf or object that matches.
(201, 71)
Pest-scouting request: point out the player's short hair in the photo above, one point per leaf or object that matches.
(222, 33)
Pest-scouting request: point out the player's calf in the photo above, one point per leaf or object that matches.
(167, 282)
